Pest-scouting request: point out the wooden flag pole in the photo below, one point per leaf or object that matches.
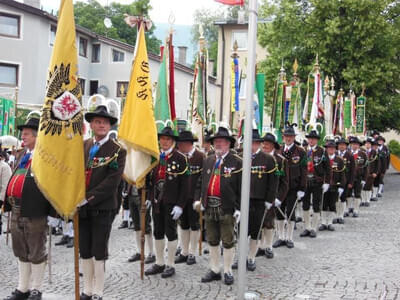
(8, 227)
(76, 254)
(142, 230)
(49, 254)
(201, 230)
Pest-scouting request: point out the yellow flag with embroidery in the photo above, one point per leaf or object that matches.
(58, 159)
(137, 130)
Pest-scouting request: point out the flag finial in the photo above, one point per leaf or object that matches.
(295, 67)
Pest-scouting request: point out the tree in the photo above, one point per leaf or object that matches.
(91, 15)
(357, 42)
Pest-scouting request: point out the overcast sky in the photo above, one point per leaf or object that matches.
(182, 9)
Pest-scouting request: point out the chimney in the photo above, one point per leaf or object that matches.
(182, 55)
(34, 3)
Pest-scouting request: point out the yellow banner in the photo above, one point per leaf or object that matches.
(58, 159)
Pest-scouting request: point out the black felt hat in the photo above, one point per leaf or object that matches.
(223, 133)
(187, 136)
(32, 123)
(269, 137)
(330, 143)
(289, 129)
(100, 111)
(313, 135)
(167, 131)
(256, 136)
(354, 140)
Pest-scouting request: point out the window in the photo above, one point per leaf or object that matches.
(83, 47)
(53, 30)
(118, 56)
(9, 25)
(82, 83)
(94, 85)
(121, 84)
(96, 53)
(241, 38)
(8, 75)
(242, 90)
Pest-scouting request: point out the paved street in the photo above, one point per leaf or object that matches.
(360, 260)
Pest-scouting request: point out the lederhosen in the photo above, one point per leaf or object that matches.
(134, 201)
(338, 180)
(361, 173)
(350, 173)
(373, 168)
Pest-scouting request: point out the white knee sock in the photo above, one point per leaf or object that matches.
(99, 275)
(375, 192)
(229, 255)
(126, 215)
(70, 231)
(350, 202)
(331, 215)
(357, 202)
(280, 224)
(268, 237)
(315, 220)
(138, 239)
(342, 209)
(290, 229)
(171, 253)
(307, 219)
(252, 249)
(184, 241)
(215, 257)
(149, 244)
(24, 276)
(37, 275)
(194, 241)
(324, 218)
(368, 196)
(380, 190)
(160, 245)
(338, 209)
(88, 276)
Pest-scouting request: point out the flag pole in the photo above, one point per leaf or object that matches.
(49, 254)
(76, 254)
(142, 230)
(244, 208)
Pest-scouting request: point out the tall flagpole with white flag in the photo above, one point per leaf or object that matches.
(249, 114)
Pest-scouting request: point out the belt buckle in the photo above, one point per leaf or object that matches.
(214, 202)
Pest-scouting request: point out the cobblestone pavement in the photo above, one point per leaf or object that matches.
(360, 260)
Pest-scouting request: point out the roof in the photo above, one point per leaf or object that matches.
(102, 38)
(235, 22)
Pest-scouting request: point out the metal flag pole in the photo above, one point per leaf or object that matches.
(249, 114)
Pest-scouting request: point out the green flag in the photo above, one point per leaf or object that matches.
(260, 81)
(162, 110)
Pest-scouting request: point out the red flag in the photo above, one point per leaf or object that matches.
(231, 2)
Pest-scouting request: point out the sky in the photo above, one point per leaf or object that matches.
(182, 9)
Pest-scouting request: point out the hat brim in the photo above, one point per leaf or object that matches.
(90, 115)
(313, 137)
(289, 134)
(188, 140)
(167, 135)
(20, 127)
(229, 138)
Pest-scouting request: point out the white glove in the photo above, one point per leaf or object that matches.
(176, 212)
(148, 204)
(362, 183)
(124, 194)
(236, 215)
(84, 201)
(300, 194)
(325, 187)
(277, 203)
(340, 190)
(268, 205)
(52, 222)
(197, 206)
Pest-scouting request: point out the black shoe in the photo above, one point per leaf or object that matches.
(355, 215)
(251, 265)
(335, 221)
(235, 265)
(279, 243)
(96, 297)
(269, 253)
(260, 252)
(366, 204)
(346, 214)
(63, 241)
(351, 210)
(168, 272)
(289, 244)
(151, 258)
(85, 297)
(331, 228)
(134, 257)
(181, 259)
(362, 204)
(191, 260)
(206, 251)
(178, 251)
(70, 243)
(374, 199)
(211, 276)
(131, 225)
(340, 221)
(322, 227)
(305, 233)
(154, 269)
(228, 279)
(379, 195)
(299, 219)
(18, 295)
(313, 234)
(35, 295)
(124, 224)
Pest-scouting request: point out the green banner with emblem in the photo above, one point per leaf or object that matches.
(360, 114)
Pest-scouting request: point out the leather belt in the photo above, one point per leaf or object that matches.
(14, 201)
(213, 202)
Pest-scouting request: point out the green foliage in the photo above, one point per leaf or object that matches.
(394, 147)
(91, 15)
(357, 42)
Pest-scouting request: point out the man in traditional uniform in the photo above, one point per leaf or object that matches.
(296, 160)
(373, 170)
(348, 160)
(384, 158)
(361, 174)
(219, 191)
(105, 162)
(336, 187)
(318, 179)
(189, 221)
(263, 190)
(5, 174)
(271, 146)
(30, 211)
(169, 186)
